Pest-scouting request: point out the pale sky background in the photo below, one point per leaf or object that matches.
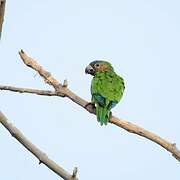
(140, 38)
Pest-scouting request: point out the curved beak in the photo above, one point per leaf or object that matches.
(89, 70)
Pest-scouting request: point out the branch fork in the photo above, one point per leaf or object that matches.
(62, 90)
(65, 92)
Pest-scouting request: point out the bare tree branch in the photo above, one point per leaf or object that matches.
(42, 157)
(29, 90)
(63, 91)
(2, 10)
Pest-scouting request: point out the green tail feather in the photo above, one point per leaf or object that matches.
(102, 115)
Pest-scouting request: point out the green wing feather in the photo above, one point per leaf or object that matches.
(106, 88)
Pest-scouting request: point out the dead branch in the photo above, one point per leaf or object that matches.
(42, 157)
(63, 91)
(2, 10)
(29, 90)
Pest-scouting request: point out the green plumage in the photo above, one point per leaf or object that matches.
(106, 88)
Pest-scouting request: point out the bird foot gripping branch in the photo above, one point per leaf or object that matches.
(90, 107)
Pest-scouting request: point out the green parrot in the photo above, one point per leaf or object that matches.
(106, 88)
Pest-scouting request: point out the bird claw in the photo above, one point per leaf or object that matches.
(110, 115)
(90, 107)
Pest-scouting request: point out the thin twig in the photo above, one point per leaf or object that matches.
(75, 172)
(29, 90)
(42, 157)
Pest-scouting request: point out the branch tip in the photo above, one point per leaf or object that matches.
(65, 83)
(22, 51)
(75, 171)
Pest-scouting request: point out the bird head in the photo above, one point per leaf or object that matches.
(98, 66)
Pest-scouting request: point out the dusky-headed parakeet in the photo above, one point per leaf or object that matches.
(106, 88)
